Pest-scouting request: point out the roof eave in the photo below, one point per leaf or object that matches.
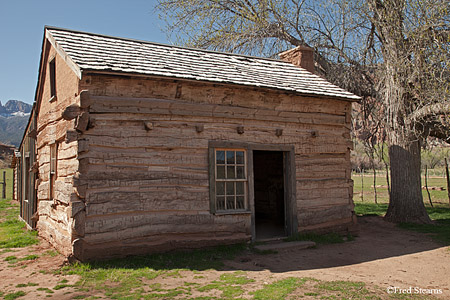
(87, 71)
(72, 65)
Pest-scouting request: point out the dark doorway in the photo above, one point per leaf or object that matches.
(269, 194)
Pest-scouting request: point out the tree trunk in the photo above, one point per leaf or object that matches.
(406, 201)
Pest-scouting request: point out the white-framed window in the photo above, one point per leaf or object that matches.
(230, 180)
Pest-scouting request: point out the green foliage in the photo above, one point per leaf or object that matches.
(440, 214)
(12, 296)
(437, 186)
(51, 253)
(47, 290)
(26, 284)
(123, 277)
(439, 231)
(346, 290)
(341, 286)
(370, 209)
(229, 284)
(13, 233)
(30, 257)
(61, 286)
(279, 290)
(9, 179)
(330, 238)
(434, 157)
(10, 258)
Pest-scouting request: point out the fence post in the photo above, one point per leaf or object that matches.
(448, 179)
(4, 185)
(426, 185)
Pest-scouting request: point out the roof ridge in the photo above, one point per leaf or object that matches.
(48, 27)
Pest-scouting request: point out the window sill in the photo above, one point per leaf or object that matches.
(52, 99)
(223, 213)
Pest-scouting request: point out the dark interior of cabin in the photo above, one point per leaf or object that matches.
(269, 194)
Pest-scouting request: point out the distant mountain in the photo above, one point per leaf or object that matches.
(13, 120)
(14, 107)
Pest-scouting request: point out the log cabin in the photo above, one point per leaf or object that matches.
(136, 147)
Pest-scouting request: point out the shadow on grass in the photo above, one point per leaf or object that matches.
(439, 230)
(364, 248)
(199, 259)
(370, 209)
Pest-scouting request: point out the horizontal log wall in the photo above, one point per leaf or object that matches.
(144, 167)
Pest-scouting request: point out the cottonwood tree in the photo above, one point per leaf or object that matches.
(394, 51)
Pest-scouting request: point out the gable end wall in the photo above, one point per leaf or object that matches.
(55, 216)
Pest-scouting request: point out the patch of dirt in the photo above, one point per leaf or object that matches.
(382, 256)
(38, 272)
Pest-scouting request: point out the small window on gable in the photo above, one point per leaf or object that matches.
(230, 180)
(52, 69)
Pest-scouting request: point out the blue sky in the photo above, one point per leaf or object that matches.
(22, 27)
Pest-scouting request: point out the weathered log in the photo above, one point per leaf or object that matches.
(71, 112)
(82, 122)
(167, 107)
(71, 136)
(83, 145)
(84, 99)
(324, 214)
(148, 125)
(79, 224)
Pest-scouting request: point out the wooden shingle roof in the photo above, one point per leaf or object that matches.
(99, 53)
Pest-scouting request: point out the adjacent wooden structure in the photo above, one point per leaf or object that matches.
(134, 147)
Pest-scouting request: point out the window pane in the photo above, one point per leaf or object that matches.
(240, 202)
(239, 188)
(230, 172)
(230, 202)
(240, 172)
(220, 157)
(230, 157)
(220, 188)
(220, 203)
(230, 188)
(220, 172)
(230, 166)
(240, 157)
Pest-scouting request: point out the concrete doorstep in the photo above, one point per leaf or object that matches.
(286, 245)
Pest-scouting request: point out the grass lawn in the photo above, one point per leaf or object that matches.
(364, 198)
(12, 230)
(9, 179)
(363, 189)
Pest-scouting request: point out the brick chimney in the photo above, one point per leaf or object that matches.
(300, 56)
